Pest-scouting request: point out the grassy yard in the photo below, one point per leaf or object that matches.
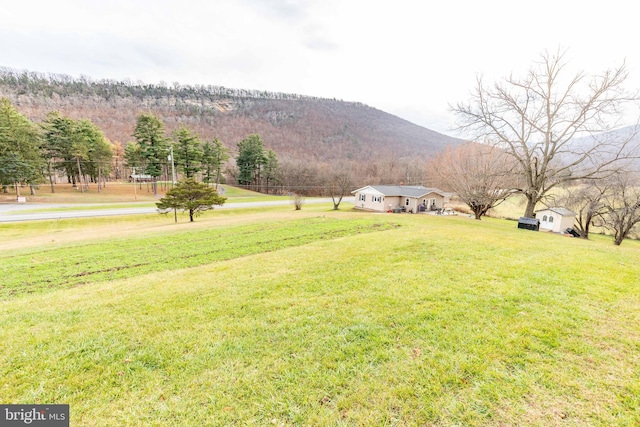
(120, 192)
(315, 317)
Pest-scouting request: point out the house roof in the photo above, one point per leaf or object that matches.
(400, 190)
(559, 211)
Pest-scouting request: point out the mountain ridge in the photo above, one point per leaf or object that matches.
(298, 128)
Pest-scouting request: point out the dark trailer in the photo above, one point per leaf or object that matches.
(529, 223)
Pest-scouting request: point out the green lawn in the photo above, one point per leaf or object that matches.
(327, 318)
(76, 201)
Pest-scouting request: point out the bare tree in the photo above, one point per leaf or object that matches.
(536, 119)
(340, 184)
(298, 176)
(479, 174)
(622, 206)
(587, 201)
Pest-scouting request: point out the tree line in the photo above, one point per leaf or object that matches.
(153, 153)
(32, 153)
(318, 132)
(65, 85)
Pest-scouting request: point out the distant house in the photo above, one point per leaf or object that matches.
(140, 178)
(555, 219)
(405, 198)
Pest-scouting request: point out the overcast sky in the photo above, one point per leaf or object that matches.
(409, 58)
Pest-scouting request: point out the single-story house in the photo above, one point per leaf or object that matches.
(555, 219)
(407, 198)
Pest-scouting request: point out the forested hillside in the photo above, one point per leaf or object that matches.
(376, 145)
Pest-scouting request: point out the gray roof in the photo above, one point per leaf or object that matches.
(559, 211)
(404, 190)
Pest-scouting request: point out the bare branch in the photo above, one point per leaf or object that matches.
(479, 174)
(538, 119)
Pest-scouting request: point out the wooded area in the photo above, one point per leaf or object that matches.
(310, 135)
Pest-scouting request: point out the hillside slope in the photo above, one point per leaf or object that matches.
(296, 127)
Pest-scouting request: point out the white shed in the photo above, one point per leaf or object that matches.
(555, 219)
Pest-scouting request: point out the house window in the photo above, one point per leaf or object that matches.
(377, 199)
(363, 197)
(433, 202)
(550, 218)
(544, 218)
(406, 202)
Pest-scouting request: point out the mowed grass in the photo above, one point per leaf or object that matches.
(120, 193)
(38, 270)
(423, 320)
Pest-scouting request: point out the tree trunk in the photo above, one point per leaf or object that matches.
(217, 178)
(53, 190)
(336, 205)
(619, 237)
(531, 206)
(79, 175)
(190, 215)
(585, 231)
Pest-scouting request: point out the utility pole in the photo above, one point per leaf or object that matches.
(133, 175)
(173, 168)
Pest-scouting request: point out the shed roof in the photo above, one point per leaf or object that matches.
(559, 211)
(528, 221)
(400, 190)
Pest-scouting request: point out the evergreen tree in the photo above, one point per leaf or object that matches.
(271, 170)
(187, 152)
(98, 151)
(251, 157)
(133, 156)
(58, 142)
(78, 147)
(150, 135)
(80, 152)
(214, 156)
(190, 196)
(20, 157)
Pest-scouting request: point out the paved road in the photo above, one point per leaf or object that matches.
(10, 212)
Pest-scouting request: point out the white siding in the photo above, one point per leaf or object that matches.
(553, 221)
(370, 200)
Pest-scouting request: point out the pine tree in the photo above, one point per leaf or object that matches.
(190, 196)
(150, 135)
(20, 157)
(214, 156)
(187, 152)
(251, 157)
